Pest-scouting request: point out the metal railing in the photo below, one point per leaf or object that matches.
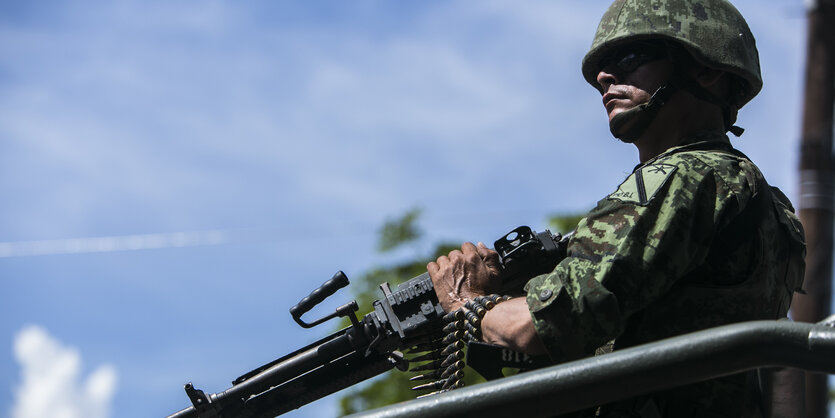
(635, 371)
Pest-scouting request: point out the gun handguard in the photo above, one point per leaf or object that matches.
(405, 317)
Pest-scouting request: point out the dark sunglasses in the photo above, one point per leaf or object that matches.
(629, 58)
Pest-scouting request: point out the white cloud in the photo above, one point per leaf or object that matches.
(102, 133)
(215, 119)
(50, 384)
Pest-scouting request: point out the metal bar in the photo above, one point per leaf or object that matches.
(631, 372)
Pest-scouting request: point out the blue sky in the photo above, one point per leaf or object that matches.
(234, 155)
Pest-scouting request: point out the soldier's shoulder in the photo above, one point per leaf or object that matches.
(732, 169)
(707, 160)
(684, 171)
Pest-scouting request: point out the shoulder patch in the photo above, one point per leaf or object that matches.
(641, 186)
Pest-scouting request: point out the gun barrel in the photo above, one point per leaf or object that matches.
(189, 412)
(301, 363)
(311, 357)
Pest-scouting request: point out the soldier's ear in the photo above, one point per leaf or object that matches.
(707, 77)
(717, 82)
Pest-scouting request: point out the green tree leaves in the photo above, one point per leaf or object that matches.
(564, 222)
(402, 230)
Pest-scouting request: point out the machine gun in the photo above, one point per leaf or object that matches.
(409, 316)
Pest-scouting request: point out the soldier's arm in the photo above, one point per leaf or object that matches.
(630, 250)
(509, 324)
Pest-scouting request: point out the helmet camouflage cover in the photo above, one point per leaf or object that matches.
(712, 31)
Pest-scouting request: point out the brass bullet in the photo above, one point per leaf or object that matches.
(426, 376)
(438, 384)
(473, 318)
(454, 367)
(453, 336)
(452, 358)
(455, 315)
(431, 355)
(452, 326)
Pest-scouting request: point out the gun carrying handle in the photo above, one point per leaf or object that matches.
(338, 281)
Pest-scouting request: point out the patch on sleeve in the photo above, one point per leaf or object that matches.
(642, 185)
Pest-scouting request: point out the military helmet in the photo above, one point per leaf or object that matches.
(712, 31)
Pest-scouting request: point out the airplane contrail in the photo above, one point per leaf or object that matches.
(113, 243)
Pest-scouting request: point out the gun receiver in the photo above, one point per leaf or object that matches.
(407, 316)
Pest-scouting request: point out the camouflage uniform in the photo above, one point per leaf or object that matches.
(693, 239)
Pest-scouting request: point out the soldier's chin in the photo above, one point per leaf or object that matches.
(620, 128)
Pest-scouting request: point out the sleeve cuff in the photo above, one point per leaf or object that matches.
(550, 306)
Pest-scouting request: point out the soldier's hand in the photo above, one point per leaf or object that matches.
(462, 275)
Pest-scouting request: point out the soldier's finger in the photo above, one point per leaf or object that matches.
(455, 255)
(485, 252)
(468, 247)
(490, 257)
(470, 252)
(432, 267)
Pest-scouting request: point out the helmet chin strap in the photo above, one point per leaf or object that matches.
(701, 93)
(630, 124)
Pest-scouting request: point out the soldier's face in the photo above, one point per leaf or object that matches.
(629, 79)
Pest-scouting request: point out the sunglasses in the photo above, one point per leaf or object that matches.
(629, 58)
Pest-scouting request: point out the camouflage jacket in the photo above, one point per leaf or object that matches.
(683, 244)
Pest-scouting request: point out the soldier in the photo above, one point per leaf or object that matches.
(694, 238)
